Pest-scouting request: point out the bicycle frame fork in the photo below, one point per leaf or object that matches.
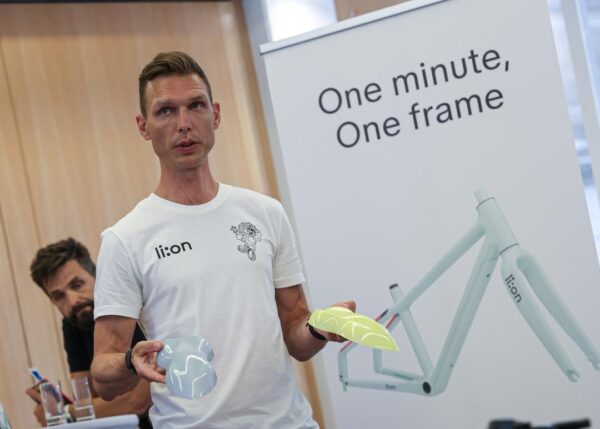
(519, 268)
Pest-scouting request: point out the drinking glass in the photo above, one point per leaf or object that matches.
(52, 402)
(82, 399)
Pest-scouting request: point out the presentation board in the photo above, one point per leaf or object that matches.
(386, 126)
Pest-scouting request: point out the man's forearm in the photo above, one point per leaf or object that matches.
(293, 313)
(111, 376)
(301, 344)
(135, 402)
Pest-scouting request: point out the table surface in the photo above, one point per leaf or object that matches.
(127, 421)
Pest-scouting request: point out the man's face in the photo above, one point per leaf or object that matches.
(71, 290)
(180, 121)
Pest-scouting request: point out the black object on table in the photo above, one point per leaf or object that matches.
(512, 424)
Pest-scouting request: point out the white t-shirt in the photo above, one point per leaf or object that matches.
(211, 270)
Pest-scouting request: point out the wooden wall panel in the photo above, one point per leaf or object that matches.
(13, 352)
(349, 8)
(29, 336)
(72, 162)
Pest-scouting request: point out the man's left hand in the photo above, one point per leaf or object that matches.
(330, 336)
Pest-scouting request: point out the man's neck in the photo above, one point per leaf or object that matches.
(191, 187)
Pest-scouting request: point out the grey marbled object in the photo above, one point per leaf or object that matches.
(186, 360)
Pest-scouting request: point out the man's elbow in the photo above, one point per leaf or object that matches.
(103, 392)
(300, 355)
(101, 388)
(302, 358)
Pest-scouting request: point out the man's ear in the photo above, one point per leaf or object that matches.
(217, 113)
(141, 124)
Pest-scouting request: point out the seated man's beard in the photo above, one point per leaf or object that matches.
(85, 319)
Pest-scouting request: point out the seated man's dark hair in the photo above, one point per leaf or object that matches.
(48, 260)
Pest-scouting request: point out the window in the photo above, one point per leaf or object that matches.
(590, 26)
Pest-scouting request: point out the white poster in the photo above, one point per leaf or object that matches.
(386, 129)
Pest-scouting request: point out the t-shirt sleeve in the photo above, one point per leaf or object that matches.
(75, 349)
(118, 290)
(287, 268)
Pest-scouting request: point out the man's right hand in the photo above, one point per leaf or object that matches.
(143, 358)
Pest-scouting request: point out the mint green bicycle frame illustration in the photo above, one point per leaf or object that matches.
(520, 272)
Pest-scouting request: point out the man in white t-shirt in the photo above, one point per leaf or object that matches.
(198, 257)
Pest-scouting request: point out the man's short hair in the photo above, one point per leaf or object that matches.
(48, 260)
(168, 64)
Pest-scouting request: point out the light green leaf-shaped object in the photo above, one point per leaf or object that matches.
(354, 327)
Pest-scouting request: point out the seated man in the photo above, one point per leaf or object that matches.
(66, 273)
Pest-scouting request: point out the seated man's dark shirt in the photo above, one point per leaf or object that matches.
(79, 345)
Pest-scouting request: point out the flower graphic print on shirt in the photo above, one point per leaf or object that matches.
(249, 235)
